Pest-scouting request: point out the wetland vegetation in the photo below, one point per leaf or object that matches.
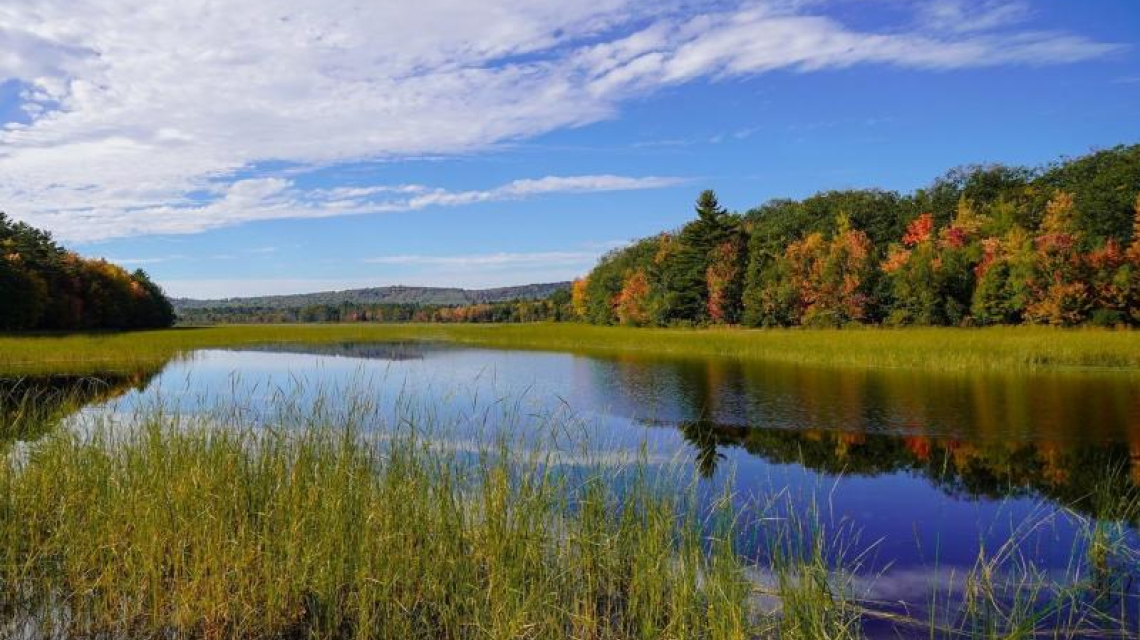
(189, 501)
(356, 521)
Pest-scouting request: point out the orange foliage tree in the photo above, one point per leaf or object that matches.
(632, 304)
(1059, 293)
(725, 281)
(820, 281)
(839, 276)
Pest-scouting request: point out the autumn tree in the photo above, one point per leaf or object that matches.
(605, 283)
(578, 299)
(1003, 274)
(633, 300)
(786, 291)
(931, 273)
(1059, 294)
(913, 270)
(820, 281)
(1113, 272)
(839, 278)
(724, 279)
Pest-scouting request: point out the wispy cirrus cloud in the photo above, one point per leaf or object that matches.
(962, 16)
(255, 199)
(146, 116)
(518, 189)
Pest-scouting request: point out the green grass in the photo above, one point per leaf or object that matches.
(310, 525)
(932, 349)
(182, 528)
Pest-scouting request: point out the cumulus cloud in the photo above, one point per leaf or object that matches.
(144, 113)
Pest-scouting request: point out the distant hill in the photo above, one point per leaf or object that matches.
(380, 295)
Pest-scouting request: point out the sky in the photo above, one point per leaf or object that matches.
(263, 147)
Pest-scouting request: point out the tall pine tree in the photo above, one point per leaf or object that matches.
(684, 279)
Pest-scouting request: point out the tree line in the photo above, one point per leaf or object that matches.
(554, 308)
(45, 287)
(982, 245)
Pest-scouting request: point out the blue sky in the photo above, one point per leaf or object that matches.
(291, 146)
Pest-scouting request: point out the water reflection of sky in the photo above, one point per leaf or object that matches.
(924, 468)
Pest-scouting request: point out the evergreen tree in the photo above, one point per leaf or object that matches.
(684, 279)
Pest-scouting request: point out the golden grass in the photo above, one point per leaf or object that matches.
(931, 349)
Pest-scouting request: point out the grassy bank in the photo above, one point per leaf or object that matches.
(934, 349)
(311, 526)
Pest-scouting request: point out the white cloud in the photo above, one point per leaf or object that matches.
(256, 199)
(550, 184)
(144, 111)
(972, 15)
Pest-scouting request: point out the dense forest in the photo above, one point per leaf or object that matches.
(982, 245)
(43, 286)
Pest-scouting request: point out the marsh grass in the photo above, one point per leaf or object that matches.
(931, 349)
(812, 569)
(183, 527)
(1007, 596)
(345, 518)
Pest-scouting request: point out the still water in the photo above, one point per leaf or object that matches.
(924, 468)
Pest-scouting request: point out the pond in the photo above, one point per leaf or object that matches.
(923, 467)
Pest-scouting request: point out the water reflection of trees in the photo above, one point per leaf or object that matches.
(1087, 478)
(31, 406)
(703, 436)
(1074, 439)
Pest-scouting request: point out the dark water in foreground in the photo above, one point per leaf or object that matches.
(925, 467)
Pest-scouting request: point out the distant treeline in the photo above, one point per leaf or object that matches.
(982, 245)
(373, 296)
(43, 286)
(553, 308)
